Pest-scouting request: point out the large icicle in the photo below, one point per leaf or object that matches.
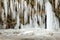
(30, 18)
(52, 22)
(5, 7)
(17, 16)
(25, 13)
(12, 9)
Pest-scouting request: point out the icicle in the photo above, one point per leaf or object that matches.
(25, 13)
(16, 2)
(56, 24)
(51, 19)
(48, 9)
(19, 6)
(12, 9)
(35, 5)
(2, 15)
(30, 18)
(35, 21)
(22, 1)
(30, 21)
(39, 19)
(18, 19)
(5, 7)
(41, 3)
(18, 22)
(56, 4)
(22, 26)
(3, 19)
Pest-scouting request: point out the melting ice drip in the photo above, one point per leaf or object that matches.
(52, 21)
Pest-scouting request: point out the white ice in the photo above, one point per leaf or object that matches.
(51, 18)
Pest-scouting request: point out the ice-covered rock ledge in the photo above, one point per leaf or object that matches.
(28, 34)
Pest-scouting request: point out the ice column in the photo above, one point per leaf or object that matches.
(52, 21)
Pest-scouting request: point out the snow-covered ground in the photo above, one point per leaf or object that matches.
(28, 34)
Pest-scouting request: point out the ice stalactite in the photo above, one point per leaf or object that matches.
(41, 3)
(12, 9)
(30, 17)
(5, 7)
(19, 11)
(5, 10)
(48, 9)
(2, 15)
(35, 6)
(30, 22)
(22, 2)
(52, 22)
(17, 21)
(39, 19)
(17, 5)
(25, 13)
(34, 19)
(35, 24)
(56, 23)
(3, 19)
(17, 15)
(21, 7)
(56, 4)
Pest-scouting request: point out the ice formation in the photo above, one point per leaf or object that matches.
(52, 21)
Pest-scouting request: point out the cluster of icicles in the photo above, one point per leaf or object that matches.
(52, 22)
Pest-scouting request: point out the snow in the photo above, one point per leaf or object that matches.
(28, 34)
